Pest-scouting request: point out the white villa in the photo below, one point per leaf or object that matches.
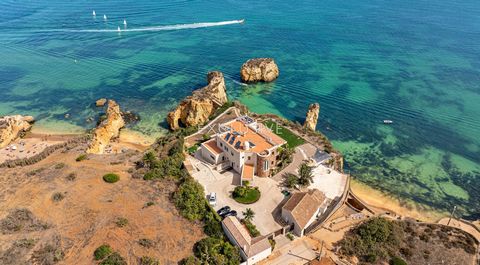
(248, 147)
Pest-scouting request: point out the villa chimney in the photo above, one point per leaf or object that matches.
(247, 145)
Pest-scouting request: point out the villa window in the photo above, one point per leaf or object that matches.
(249, 158)
(231, 153)
(212, 157)
(265, 165)
(221, 144)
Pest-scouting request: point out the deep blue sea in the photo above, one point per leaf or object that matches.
(415, 62)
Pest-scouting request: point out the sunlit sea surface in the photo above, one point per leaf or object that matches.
(415, 62)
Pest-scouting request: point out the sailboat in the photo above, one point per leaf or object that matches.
(93, 13)
(125, 22)
(118, 29)
(104, 17)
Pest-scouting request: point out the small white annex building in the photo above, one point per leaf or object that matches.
(303, 208)
(252, 250)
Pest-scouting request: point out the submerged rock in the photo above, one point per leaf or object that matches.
(12, 127)
(259, 69)
(107, 130)
(312, 116)
(130, 117)
(196, 109)
(101, 102)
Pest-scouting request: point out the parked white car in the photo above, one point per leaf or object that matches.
(212, 199)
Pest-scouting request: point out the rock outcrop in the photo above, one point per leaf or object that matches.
(197, 108)
(259, 70)
(312, 116)
(12, 127)
(100, 102)
(107, 129)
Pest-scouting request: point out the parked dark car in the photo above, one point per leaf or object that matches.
(231, 213)
(223, 210)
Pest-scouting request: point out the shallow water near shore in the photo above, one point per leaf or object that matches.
(414, 62)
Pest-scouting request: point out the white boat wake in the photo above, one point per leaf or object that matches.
(238, 83)
(157, 28)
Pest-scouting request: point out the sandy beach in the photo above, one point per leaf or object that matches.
(382, 200)
(35, 142)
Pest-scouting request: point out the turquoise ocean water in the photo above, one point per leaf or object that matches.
(415, 62)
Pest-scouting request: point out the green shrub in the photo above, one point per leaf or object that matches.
(192, 260)
(216, 251)
(205, 137)
(81, 158)
(102, 252)
(290, 236)
(148, 204)
(170, 166)
(290, 180)
(146, 243)
(59, 166)
(190, 200)
(121, 222)
(272, 243)
(145, 260)
(252, 229)
(372, 239)
(58, 196)
(25, 243)
(397, 261)
(111, 178)
(71, 177)
(212, 225)
(114, 259)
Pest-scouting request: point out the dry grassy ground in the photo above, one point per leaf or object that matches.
(61, 210)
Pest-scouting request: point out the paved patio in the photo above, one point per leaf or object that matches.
(329, 181)
(223, 184)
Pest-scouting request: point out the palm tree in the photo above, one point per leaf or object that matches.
(305, 173)
(248, 214)
(290, 180)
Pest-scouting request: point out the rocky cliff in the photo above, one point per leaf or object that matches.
(107, 129)
(312, 116)
(12, 126)
(259, 69)
(196, 109)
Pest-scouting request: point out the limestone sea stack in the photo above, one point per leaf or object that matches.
(107, 130)
(312, 116)
(101, 102)
(259, 70)
(197, 108)
(12, 127)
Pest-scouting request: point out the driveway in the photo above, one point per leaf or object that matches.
(223, 185)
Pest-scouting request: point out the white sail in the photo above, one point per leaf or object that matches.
(93, 13)
(125, 22)
(118, 29)
(104, 17)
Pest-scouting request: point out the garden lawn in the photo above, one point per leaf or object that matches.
(292, 139)
(251, 196)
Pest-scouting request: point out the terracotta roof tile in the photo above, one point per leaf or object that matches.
(303, 205)
(212, 146)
